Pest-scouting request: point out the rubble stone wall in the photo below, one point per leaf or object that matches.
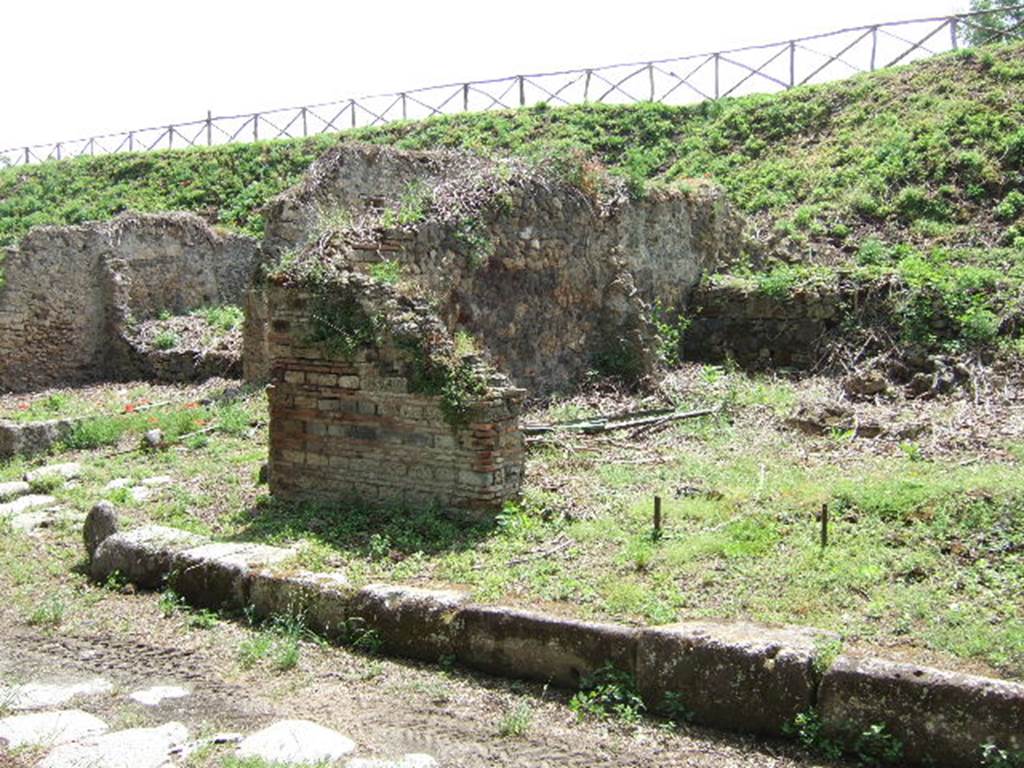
(71, 294)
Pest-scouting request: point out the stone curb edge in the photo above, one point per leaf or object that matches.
(738, 676)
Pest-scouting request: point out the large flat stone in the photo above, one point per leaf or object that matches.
(412, 622)
(28, 522)
(24, 504)
(64, 471)
(941, 718)
(143, 556)
(48, 729)
(535, 646)
(157, 694)
(734, 675)
(135, 748)
(296, 742)
(30, 696)
(13, 489)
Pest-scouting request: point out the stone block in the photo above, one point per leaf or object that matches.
(535, 646)
(940, 718)
(409, 621)
(142, 556)
(734, 675)
(219, 575)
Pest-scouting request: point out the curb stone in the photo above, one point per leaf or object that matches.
(740, 676)
(734, 675)
(939, 717)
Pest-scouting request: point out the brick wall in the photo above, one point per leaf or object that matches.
(349, 429)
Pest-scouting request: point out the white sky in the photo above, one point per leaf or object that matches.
(80, 67)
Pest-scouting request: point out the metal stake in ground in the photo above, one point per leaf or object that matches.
(824, 525)
(657, 517)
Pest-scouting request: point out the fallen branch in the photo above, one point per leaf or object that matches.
(598, 425)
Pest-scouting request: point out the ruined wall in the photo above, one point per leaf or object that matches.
(550, 281)
(758, 330)
(357, 426)
(72, 294)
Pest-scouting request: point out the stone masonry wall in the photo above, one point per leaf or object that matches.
(350, 429)
(756, 330)
(72, 294)
(548, 280)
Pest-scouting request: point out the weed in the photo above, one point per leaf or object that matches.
(49, 613)
(994, 757)
(46, 484)
(388, 271)
(827, 650)
(608, 693)
(670, 328)
(807, 728)
(166, 339)
(676, 708)
(875, 746)
(201, 619)
(170, 603)
(516, 722)
(223, 318)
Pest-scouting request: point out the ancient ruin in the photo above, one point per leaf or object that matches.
(400, 284)
(73, 299)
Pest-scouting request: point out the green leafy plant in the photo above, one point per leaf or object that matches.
(223, 318)
(875, 747)
(388, 271)
(993, 756)
(608, 692)
(166, 339)
(516, 722)
(807, 728)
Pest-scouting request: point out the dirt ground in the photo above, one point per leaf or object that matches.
(388, 707)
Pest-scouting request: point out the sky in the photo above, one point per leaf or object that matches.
(75, 68)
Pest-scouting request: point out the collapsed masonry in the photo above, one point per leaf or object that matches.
(387, 267)
(73, 298)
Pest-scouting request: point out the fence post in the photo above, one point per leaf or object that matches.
(131, 141)
(304, 122)
(952, 32)
(209, 128)
(586, 88)
(522, 91)
(874, 46)
(58, 150)
(650, 77)
(170, 137)
(718, 63)
(256, 127)
(792, 64)
(352, 108)
(28, 155)
(465, 97)
(405, 114)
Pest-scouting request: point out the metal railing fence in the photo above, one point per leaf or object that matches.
(770, 67)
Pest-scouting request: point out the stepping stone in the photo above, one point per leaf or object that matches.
(66, 471)
(45, 695)
(25, 504)
(140, 494)
(134, 748)
(408, 761)
(121, 482)
(294, 742)
(49, 729)
(152, 697)
(13, 489)
(157, 480)
(27, 522)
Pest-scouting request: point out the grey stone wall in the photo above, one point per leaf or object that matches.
(71, 294)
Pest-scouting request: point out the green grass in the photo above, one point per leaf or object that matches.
(223, 318)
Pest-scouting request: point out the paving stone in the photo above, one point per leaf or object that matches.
(67, 471)
(13, 489)
(152, 697)
(45, 695)
(134, 748)
(24, 504)
(157, 480)
(140, 494)
(294, 742)
(48, 729)
(27, 522)
(121, 482)
(417, 760)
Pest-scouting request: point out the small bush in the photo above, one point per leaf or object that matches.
(516, 722)
(165, 339)
(223, 318)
